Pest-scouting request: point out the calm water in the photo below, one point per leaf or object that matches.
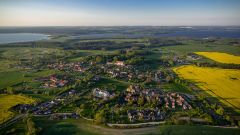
(21, 37)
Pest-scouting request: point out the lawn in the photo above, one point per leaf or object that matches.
(221, 57)
(64, 127)
(8, 101)
(112, 84)
(221, 83)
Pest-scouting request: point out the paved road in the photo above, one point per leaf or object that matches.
(136, 124)
(12, 121)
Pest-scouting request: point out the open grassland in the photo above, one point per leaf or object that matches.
(8, 101)
(221, 83)
(221, 57)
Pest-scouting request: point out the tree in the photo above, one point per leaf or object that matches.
(100, 117)
(140, 101)
(115, 58)
(220, 111)
(9, 90)
(168, 78)
(31, 127)
(99, 59)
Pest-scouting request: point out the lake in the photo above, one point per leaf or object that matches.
(21, 37)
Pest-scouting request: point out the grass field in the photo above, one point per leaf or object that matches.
(221, 57)
(8, 101)
(221, 83)
(195, 130)
(83, 127)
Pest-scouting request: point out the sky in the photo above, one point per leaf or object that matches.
(119, 12)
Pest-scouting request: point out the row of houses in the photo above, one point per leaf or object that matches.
(130, 73)
(63, 116)
(48, 107)
(146, 115)
(162, 99)
(117, 63)
(134, 93)
(173, 99)
(53, 82)
(73, 66)
(21, 108)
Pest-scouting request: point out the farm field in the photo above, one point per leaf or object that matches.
(221, 83)
(221, 57)
(8, 101)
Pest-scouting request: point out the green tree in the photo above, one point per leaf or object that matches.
(100, 117)
(140, 101)
(99, 59)
(9, 90)
(31, 127)
(220, 111)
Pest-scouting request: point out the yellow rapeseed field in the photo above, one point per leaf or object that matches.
(8, 101)
(221, 83)
(221, 57)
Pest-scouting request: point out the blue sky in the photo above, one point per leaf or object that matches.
(119, 12)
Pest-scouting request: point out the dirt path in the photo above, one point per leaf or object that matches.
(135, 131)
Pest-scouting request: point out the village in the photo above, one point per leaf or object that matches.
(141, 99)
(139, 103)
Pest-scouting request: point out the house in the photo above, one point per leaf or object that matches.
(72, 92)
(54, 82)
(133, 89)
(145, 115)
(101, 93)
(119, 63)
(193, 56)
